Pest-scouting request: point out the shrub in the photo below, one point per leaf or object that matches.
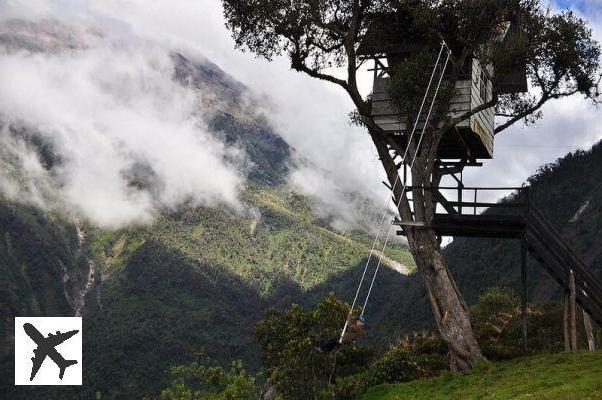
(497, 319)
(397, 365)
(289, 339)
(202, 382)
(418, 355)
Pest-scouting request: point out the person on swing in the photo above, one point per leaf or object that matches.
(356, 328)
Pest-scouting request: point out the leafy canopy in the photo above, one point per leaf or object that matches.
(560, 54)
(206, 381)
(289, 339)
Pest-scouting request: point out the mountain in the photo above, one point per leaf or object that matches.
(195, 280)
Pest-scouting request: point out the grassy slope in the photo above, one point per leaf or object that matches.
(558, 376)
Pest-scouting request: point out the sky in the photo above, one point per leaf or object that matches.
(567, 124)
(311, 115)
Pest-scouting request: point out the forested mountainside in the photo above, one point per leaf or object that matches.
(198, 278)
(568, 192)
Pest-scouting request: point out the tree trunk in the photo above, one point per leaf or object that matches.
(451, 313)
(449, 309)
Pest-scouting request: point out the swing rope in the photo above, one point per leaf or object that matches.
(443, 46)
(405, 184)
(357, 292)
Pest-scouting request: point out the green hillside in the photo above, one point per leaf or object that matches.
(199, 279)
(37, 252)
(558, 376)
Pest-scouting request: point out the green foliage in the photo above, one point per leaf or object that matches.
(497, 319)
(559, 376)
(397, 365)
(289, 339)
(201, 382)
(418, 356)
(408, 83)
(431, 350)
(562, 59)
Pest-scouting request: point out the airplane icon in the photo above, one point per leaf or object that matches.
(46, 347)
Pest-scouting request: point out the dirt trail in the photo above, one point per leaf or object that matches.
(394, 265)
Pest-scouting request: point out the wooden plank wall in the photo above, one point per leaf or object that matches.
(482, 123)
(468, 96)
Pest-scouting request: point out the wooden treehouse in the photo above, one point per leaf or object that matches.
(388, 42)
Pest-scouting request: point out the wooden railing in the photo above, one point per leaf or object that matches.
(467, 201)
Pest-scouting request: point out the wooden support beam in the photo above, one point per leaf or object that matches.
(416, 224)
(523, 265)
(589, 332)
(573, 310)
(565, 324)
(443, 201)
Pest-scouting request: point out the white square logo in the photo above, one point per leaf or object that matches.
(48, 351)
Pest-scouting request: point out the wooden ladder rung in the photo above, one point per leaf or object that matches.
(409, 223)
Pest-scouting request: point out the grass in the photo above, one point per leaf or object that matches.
(558, 376)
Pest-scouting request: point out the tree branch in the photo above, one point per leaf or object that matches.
(456, 120)
(544, 99)
(314, 73)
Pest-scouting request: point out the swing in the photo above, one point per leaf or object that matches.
(381, 254)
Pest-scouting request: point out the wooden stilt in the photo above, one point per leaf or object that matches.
(589, 333)
(573, 311)
(565, 324)
(523, 263)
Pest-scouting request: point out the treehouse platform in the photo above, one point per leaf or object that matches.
(514, 218)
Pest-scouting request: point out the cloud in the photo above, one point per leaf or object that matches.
(22, 175)
(130, 139)
(310, 115)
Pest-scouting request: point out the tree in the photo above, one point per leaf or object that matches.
(289, 339)
(561, 60)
